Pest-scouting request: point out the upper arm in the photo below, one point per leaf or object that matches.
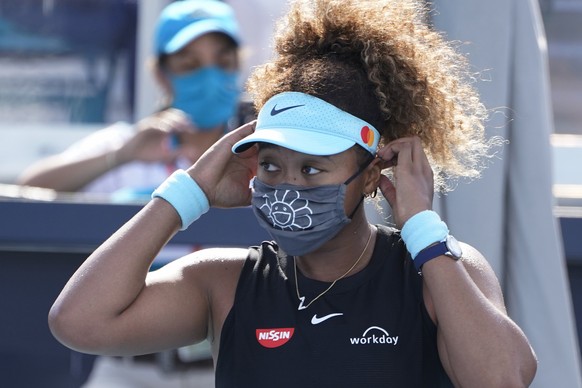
(481, 273)
(181, 303)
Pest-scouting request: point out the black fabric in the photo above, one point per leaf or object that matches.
(383, 337)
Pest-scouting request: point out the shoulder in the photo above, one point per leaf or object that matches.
(215, 272)
(473, 259)
(482, 274)
(387, 230)
(212, 272)
(390, 238)
(389, 233)
(210, 260)
(205, 266)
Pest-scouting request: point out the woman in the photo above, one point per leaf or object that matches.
(196, 66)
(357, 88)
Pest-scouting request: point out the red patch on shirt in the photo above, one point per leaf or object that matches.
(273, 338)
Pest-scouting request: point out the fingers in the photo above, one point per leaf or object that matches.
(407, 153)
(221, 152)
(175, 121)
(410, 189)
(241, 132)
(169, 121)
(388, 190)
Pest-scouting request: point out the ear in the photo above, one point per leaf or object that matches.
(372, 176)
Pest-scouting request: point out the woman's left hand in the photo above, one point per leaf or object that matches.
(412, 188)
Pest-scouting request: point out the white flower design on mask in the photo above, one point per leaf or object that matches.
(287, 210)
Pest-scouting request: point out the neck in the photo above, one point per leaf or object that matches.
(339, 254)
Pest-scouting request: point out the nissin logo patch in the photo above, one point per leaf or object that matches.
(273, 338)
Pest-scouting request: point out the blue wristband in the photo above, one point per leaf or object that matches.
(422, 230)
(184, 194)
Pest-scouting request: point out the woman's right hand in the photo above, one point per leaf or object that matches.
(224, 176)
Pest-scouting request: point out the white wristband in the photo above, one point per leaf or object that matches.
(421, 230)
(184, 194)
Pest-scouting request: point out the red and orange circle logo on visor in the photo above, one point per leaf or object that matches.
(367, 135)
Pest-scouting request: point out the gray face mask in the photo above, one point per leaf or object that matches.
(301, 219)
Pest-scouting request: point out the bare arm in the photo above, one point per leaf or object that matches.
(112, 305)
(479, 345)
(149, 144)
(59, 173)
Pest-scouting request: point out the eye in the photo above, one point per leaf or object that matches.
(270, 167)
(309, 170)
(227, 61)
(185, 60)
(190, 64)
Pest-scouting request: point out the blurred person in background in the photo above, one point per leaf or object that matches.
(196, 65)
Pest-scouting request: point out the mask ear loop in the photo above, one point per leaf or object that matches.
(360, 170)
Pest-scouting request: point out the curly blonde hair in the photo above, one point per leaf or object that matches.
(381, 61)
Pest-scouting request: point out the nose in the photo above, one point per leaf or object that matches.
(292, 176)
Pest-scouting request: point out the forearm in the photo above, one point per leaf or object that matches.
(60, 174)
(111, 279)
(479, 344)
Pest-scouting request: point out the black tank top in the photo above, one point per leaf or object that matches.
(370, 330)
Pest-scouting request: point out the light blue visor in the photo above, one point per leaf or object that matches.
(309, 125)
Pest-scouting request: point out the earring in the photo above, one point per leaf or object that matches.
(372, 194)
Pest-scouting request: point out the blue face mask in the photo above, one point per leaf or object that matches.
(208, 95)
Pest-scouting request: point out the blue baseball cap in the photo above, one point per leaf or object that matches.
(309, 125)
(183, 21)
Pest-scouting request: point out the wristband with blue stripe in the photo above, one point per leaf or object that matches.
(422, 230)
